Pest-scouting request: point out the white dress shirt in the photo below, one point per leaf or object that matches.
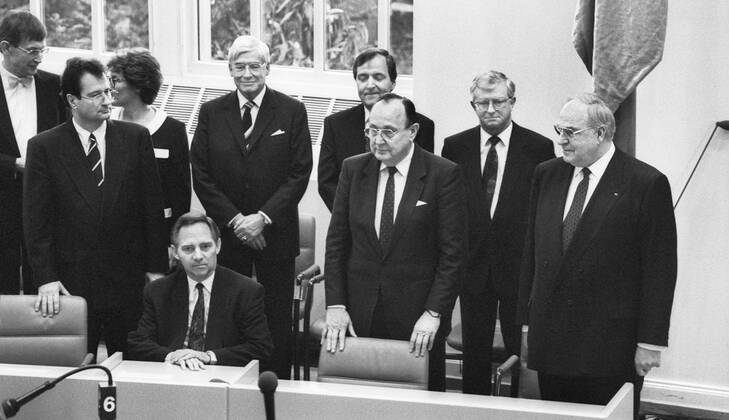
(100, 134)
(597, 169)
(192, 301)
(502, 149)
(21, 102)
(400, 177)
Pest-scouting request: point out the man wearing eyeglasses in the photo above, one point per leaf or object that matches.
(251, 160)
(599, 265)
(29, 103)
(92, 212)
(375, 73)
(498, 158)
(396, 242)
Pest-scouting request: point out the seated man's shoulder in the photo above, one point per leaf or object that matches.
(234, 279)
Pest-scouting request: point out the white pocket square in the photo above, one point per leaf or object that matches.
(277, 132)
(420, 203)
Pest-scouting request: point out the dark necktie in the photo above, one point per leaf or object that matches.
(569, 226)
(94, 158)
(488, 177)
(247, 121)
(196, 335)
(388, 210)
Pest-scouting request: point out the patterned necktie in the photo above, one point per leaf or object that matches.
(488, 177)
(569, 226)
(247, 122)
(388, 210)
(94, 158)
(196, 335)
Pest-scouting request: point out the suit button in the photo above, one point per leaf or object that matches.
(569, 302)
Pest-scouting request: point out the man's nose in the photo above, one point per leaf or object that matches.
(491, 108)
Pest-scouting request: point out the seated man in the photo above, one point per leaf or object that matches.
(204, 314)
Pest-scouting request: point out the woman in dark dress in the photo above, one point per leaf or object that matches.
(137, 78)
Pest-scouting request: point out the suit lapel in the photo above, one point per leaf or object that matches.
(7, 134)
(413, 191)
(46, 101)
(356, 141)
(368, 199)
(73, 158)
(266, 115)
(217, 312)
(231, 109)
(114, 164)
(179, 310)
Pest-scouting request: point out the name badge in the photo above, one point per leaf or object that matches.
(161, 153)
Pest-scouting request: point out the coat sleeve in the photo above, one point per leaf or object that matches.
(339, 242)
(180, 193)
(526, 274)
(329, 166)
(143, 342)
(150, 186)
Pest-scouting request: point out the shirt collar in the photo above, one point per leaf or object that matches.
(404, 165)
(207, 283)
(367, 114)
(504, 135)
(599, 166)
(256, 101)
(99, 133)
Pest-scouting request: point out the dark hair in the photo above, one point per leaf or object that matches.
(20, 25)
(76, 67)
(140, 70)
(193, 218)
(406, 103)
(369, 54)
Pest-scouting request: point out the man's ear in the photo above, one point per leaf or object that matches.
(4, 46)
(218, 246)
(414, 130)
(71, 100)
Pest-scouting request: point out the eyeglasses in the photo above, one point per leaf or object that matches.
(35, 52)
(385, 133)
(98, 96)
(569, 133)
(240, 68)
(497, 103)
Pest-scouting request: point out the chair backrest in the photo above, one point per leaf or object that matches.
(374, 361)
(307, 240)
(28, 338)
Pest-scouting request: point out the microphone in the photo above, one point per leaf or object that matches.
(267, 383)
(107, 409)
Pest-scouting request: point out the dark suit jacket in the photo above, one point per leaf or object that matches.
(343, 137)
(613, 288)
(236, 332)
(496, 245)
(174, 171)
(51, 112)
(97, 242)
(271, 176)
(422, 266)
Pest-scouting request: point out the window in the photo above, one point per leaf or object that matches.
(323, 35)
(8, 5)
(97, 25)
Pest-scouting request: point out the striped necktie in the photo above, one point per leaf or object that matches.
(569, 225)
(94, 158)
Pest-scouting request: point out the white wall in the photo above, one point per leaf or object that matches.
(677, 104)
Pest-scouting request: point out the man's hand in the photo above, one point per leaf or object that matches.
(338, 323)
(153, 276)
(423, 334)
(645, 360)
(188, 359)
(256, 242)
(248, 226)
(48, 301)
(20, 164)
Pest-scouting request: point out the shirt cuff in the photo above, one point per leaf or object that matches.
(213, 359)
(652, 347)
(265, 217)
(336, 307)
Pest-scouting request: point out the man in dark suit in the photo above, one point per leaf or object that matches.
(375, 74)
(251, 160)
(30, 102)
(92, 212)
(599, 265)
(498, 158)
(204, 313)
(397, 241)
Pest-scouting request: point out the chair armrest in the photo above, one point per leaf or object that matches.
(87, 359)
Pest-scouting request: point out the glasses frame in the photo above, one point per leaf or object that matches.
(247, 66)
(378, 132)
(561, 131)
(41, 52)
(97, 99)
(481, 106)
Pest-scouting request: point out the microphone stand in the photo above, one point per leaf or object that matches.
(11, 406)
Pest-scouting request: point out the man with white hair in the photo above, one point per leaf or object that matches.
(599, 266)
(251, 160)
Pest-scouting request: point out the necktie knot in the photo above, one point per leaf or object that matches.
(199, 287)
(248, 105)
(392, 170)
(586, 172)
(15, 81)
(494, 140)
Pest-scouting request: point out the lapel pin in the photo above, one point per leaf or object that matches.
(615, 194)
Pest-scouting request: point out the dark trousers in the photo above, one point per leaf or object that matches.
(111, 324)
(277, 278)
(478, 318)
(587, 390)
(13, 255)
(436, 362)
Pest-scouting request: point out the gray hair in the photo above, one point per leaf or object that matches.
(598, 113)
(492, 77)
(247, 43)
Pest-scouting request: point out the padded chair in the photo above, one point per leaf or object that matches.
(307, 240)
(375, 362)
(28, 338)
